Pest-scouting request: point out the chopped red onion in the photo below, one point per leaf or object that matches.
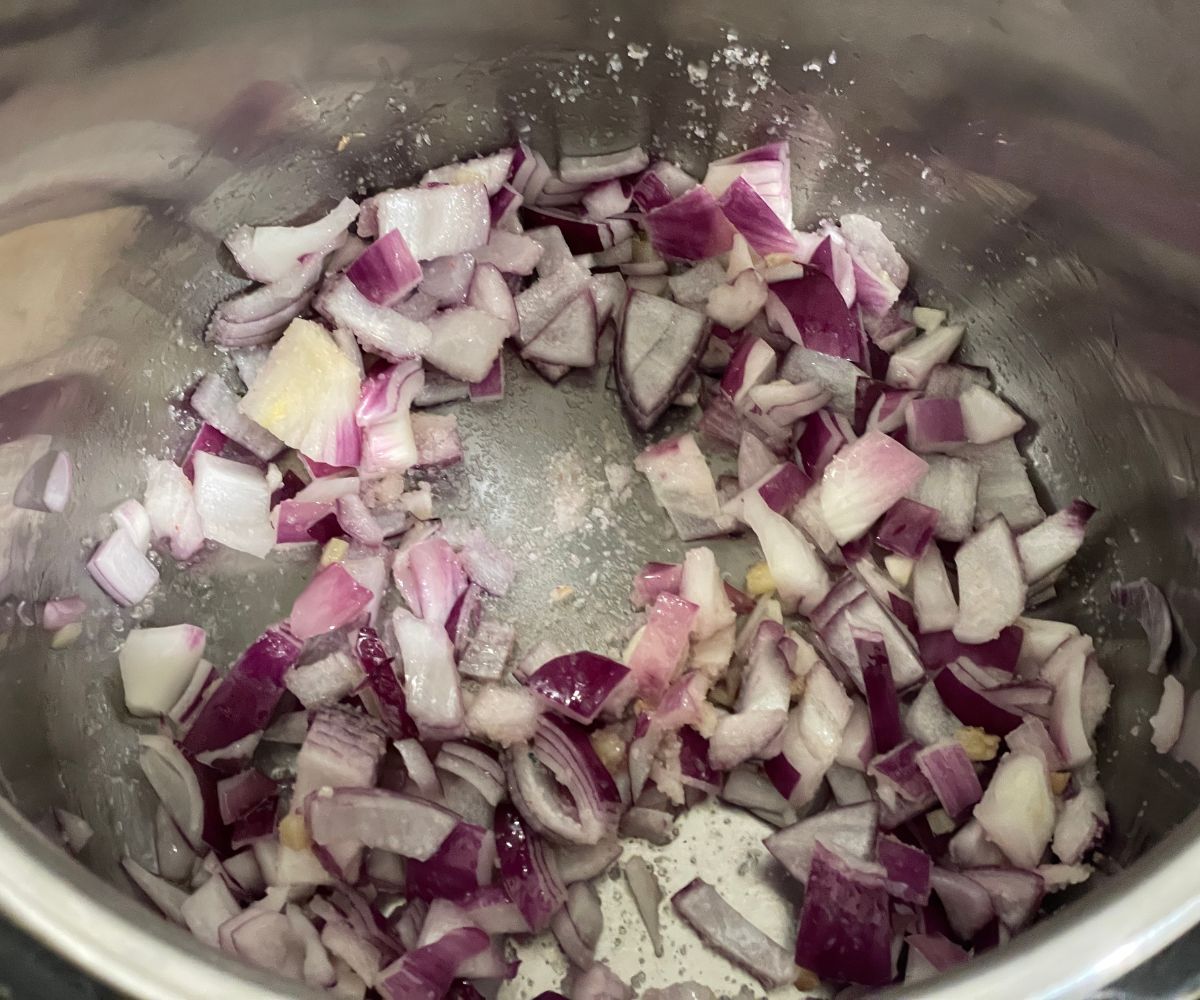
(332, 600)
(797, 570)
(239, 794)
(849, 830)
(233, 501)
(880, 689)
(171, 509)
(929, 955)
(658, 346)
(122, 570)
(63, 611)
(756, 220)
(436, 438)
(269, 253)
(579, 684)
(435, 221)
(647, 895)
(657, 655)
(1080, 824)
(168, 898)
(948, 770)
(528, 870)
(690, 227)
(811, 738)
(864, 480)
(909, 367)
(991, 587)
(1015, 893)
(326, 681)
(245, 700)
(845, 931)
(1053, 543)
(426, 973)
(131, 516)
(374, 817)
(1065, 670)
(1152, 611)
(578, 925)
(431, 686)
(386, 271)
(907, 870)
(683, 485)
(563, 762)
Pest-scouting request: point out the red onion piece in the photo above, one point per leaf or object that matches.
(233, 501)
(949, 771)
(332, 600)
(527, 869)
(268, 253)
(245, 700)
(907, 528)
(384, 696)
(431, 687)
(757, 221)
(849, 830)
(220, 407)
(1017, 809)
(907, 870)
(880, 689)
(845, 931)
(970, 705)
(578, 924)
(462, 864)
(864, 480)
(812, 312)
(1052, 544)
(658, 654)
(122, 570)
(1015, 893)
(730, 934)
(578, 685)
(374, 817)
(386, 271)
(426, 973)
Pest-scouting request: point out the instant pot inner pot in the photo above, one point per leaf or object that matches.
(1030, 197)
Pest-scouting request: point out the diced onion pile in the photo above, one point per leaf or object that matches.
(873, 690)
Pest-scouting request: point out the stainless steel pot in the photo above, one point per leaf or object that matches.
(1035, 160)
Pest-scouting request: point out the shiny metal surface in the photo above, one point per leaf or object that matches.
(1034, 160)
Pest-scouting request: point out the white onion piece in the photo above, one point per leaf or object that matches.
(167, 897)
(269, 253)
(797, 570)
(157, 664)
(1017, 809)
(171, 509)
(233, 501)
(991, 583)
(219, 406)
(175, 783)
